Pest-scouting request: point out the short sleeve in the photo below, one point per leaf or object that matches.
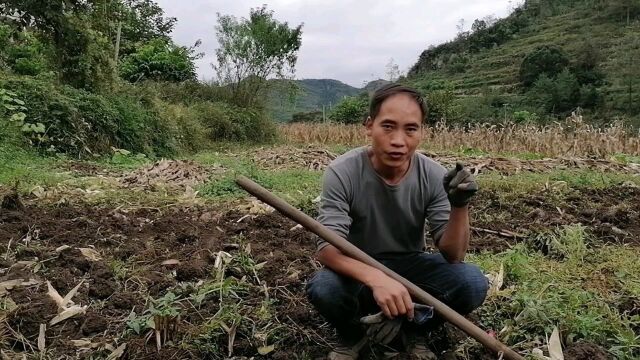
(438, 206)
(334, 206)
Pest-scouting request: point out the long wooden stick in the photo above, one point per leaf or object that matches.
(351, 250)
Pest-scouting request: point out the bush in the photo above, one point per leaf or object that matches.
(225, 122)
(351, 110)
(190, 133)
(311, 116)
(80, 123)
(22, 52)
(159, 60)
(545, 60)
(557, 96)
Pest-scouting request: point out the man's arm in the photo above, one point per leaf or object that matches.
(392, 297)
(455, 239)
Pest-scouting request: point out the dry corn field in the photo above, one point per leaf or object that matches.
(570, 138)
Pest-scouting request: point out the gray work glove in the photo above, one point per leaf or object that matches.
(460, 186)
(382, 330)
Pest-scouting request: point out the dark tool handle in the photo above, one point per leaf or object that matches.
(352, 251)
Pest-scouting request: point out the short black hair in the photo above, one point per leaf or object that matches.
(385, 92)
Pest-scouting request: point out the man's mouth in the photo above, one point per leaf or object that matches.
(395, 155)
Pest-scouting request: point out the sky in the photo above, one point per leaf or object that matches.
(348, 40)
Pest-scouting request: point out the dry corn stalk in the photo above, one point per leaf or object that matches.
(569, 138)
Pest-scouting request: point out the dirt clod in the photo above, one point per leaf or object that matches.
(93, 324)
(102, 288)
(189, 270)
(12, 202)
(122, 301)
(585, 351)
(26, 318)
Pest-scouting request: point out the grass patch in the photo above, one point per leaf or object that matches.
(27, 168)
(541, 292)
(294, 185)
(526, 182)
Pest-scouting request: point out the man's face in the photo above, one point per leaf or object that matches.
(396, 131)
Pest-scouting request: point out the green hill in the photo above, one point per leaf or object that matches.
(308, 95)
(481, 67)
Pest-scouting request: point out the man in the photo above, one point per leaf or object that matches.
(378, 197)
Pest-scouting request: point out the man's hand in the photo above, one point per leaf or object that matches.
(460, 186)
(382, 330)
(391, 296)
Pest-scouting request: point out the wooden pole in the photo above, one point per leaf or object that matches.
(352, 251)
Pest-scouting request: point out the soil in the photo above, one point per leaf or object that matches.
(142, 239)
(585, 351)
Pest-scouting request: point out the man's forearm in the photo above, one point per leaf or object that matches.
(335, 260)
(455, 240)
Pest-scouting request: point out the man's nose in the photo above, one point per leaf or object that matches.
(397, 139)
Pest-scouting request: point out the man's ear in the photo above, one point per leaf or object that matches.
(368, 124)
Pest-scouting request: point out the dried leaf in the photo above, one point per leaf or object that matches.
(62, 248)
(41, 344)
(171, 262)
(54, 295)
(90, 254)
(498, 281)
(82, 343)
(232, 337)
(264, 350)
(117, 353)
(68, 313)
(260, 265)
(555, 346)
(67, 298)
(5, 286)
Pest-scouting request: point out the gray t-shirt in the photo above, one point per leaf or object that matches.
(384, 221)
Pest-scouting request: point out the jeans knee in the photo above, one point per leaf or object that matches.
(473, 289)
(328, 292)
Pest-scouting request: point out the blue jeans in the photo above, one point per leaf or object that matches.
(342, 300)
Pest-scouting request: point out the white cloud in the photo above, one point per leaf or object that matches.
(349, 40)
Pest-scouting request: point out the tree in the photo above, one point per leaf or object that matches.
(80, 52)
(544, 60)
(624, 9)
(631, 70)
(142, 21)
(160, 60)
(253, 50)
(392, 70)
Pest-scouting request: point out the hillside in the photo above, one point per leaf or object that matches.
(310, 95)
(486, 61)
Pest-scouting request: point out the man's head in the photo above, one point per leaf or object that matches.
(396, 116)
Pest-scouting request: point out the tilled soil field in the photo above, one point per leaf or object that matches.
(195, 282)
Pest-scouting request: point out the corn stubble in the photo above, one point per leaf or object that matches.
(569, 138)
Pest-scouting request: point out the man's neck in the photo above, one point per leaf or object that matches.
(390, 175)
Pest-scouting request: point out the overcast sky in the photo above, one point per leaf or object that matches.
(348, 40)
